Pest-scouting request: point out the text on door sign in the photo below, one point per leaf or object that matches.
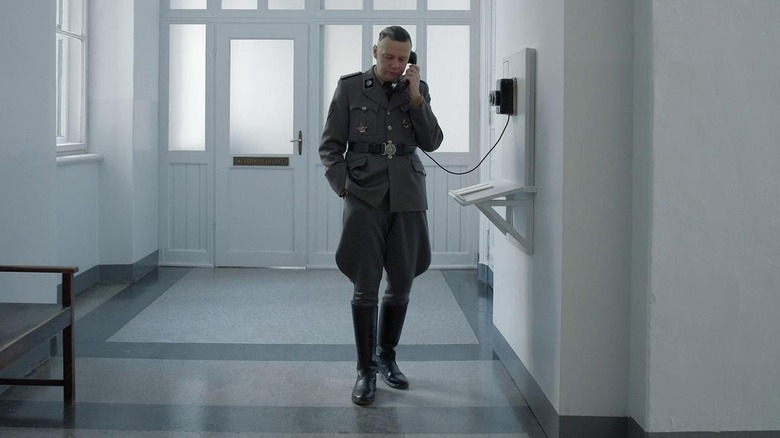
(261, 161)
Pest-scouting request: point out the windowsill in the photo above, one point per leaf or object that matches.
(67, 160)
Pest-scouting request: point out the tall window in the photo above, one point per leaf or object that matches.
(71, 63)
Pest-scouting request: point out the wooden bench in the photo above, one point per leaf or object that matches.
(24, 326)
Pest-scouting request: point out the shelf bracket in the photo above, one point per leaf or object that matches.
(503, 193)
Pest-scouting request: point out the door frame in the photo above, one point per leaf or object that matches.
(226, 171)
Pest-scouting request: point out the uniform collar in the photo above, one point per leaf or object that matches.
(372, 89)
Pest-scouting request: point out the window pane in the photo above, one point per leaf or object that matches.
(342, 54)
(187, 88)
(70, 15)
(62, 90)
(261, 96)
(449, 46)
(342, 4)
(75, 95)
(286, 4)
(70, 89)
(395, 5)
(239, 4)
(188, 4)
(449, 5)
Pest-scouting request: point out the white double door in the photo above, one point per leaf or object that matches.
(256, 196)
(262, 148)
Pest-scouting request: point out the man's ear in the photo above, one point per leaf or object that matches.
(374, 50)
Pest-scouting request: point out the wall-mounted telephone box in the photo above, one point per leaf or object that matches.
(504, 96)
(513, 189)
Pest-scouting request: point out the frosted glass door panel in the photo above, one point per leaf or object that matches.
(187, 88)
(448, 46)
(449, 5)
(286, 4)
(395, 5)
(342, 4)
(70, 15)
(343, 49)
(188, 4)
(239, 4)
(261, 96)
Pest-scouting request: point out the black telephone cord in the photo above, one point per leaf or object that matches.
(480, 161)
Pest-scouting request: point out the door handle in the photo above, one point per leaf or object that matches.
(300, 142)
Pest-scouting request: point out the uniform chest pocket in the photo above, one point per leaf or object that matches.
(363, 119)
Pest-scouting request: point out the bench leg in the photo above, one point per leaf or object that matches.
(68, 369)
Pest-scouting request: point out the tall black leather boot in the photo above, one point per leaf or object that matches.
(364, 322)
(391, 322)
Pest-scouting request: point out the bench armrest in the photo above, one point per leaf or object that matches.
(43, 269)
(67, 277)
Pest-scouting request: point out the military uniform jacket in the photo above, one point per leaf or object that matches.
(361, 113)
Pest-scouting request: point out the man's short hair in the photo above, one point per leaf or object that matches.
(395, 33)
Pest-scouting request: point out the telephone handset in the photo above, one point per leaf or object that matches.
(401, 83)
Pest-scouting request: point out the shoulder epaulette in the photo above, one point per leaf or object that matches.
(352, 75)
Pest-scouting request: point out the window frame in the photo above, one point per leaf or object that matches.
(64, 68)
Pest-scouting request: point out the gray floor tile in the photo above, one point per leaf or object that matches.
(248, 383)
(269, 306)
(217, 353)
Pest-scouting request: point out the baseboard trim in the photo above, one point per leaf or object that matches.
(554, 425)
(636, 431)
(131, 272)
(568, 426)
(86, 280)
(485, 274)
(113, 274)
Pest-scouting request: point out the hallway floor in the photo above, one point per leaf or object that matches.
(239, 353)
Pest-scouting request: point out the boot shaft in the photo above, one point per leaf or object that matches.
(391, 324)
(364, 320)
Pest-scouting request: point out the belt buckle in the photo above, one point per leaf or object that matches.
(390, 149)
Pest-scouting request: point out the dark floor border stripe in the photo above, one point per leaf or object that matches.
(274, 352)
(108, 318)
(263, 419)
(476, 307)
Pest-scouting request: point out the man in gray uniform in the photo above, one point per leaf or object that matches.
(376, 122)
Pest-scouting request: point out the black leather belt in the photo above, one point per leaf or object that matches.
(390, 149)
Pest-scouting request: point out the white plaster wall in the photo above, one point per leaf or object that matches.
(597, 115)
(715, 249)
(77, 215)
(123, 125)
(641, 208)
(565, 310)
(527, 290)
(110, 123)
(27, 147)
(145, 132)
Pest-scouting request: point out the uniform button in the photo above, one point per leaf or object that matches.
(389, 113)
(389, 128)
(364, 108)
